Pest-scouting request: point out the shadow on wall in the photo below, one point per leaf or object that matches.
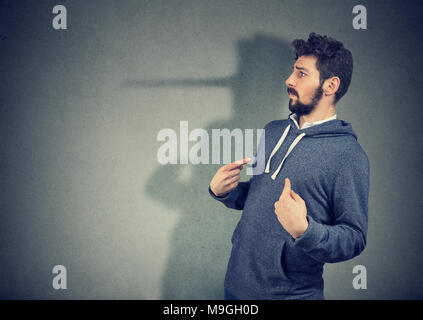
(200, 243)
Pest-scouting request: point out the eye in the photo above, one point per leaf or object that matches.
(302, 74)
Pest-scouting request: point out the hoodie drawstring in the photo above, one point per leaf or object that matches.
(278, 145)
(276, 148)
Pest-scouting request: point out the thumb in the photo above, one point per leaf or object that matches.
(287, 188)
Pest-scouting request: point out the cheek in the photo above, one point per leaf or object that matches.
(307, 93)
(308, 96)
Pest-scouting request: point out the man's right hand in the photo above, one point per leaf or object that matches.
(227, 177)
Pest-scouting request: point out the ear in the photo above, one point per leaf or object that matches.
(331, 85)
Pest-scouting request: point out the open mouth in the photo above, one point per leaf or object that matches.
(291, 93)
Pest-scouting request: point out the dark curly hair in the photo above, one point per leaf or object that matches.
(332, 59)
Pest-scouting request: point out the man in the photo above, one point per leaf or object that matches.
(310, 204)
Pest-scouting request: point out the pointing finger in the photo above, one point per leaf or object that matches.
(286, 189)
(237, 164)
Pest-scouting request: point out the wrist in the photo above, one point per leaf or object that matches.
(301, 230)
(219, 195)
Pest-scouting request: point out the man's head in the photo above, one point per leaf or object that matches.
(322, 71)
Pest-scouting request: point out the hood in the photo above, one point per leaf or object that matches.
(332, 128)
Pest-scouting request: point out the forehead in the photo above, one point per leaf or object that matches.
(308, 62)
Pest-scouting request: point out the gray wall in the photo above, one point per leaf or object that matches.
(81, 109)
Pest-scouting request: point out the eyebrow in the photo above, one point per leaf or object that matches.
(301, 68)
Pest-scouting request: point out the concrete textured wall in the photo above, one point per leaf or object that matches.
(81, 109)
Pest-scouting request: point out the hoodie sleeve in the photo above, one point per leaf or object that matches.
(345, 237)
(236, 198)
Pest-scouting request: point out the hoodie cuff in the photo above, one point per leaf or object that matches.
(219, 198)
(312, 236)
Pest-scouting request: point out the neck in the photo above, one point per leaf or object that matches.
(317, 114)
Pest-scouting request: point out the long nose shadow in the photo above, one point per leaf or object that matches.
(200, 242)
(208, 82)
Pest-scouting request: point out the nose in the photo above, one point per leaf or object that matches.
(290, 81)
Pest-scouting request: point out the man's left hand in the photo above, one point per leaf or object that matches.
(291, 211)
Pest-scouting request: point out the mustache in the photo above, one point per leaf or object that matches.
(292, 91)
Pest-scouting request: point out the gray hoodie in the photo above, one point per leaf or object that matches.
(329, 170)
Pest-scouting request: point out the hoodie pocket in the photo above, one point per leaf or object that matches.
(297, 264)
(282, 260)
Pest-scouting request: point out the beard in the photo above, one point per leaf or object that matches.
(300, 108)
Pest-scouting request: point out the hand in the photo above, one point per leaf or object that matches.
(227, 177)
(291, 211)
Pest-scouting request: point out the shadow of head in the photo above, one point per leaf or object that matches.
(200, 242)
